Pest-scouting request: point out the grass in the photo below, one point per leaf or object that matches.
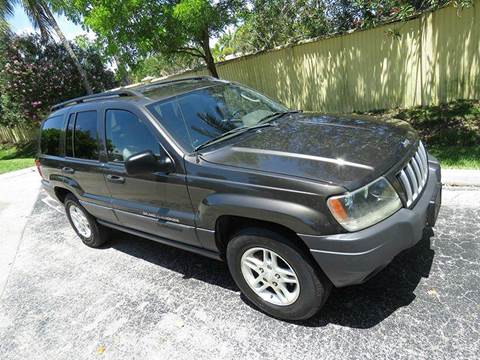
(455, 157)
(16, 157)
(451, 131)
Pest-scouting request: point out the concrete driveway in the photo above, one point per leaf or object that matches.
(136, 299)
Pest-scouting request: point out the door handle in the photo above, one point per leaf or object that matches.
(68, 170)
(115, 179)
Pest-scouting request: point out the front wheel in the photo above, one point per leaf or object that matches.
(276, 275)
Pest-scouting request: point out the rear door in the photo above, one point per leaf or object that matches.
(82, 169)
(156, 203)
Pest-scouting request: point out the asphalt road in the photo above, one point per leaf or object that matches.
(136, 299)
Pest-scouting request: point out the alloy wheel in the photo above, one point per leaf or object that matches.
(80, 221)
(270, 276)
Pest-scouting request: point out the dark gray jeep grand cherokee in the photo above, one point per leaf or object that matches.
(293, 202)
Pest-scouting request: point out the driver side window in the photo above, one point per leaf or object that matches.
(126, 135)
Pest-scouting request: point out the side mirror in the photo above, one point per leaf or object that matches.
(146, 162)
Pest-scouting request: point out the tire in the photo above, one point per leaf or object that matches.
(96, 235)
(302, 302)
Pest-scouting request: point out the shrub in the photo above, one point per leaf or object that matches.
(37, 73)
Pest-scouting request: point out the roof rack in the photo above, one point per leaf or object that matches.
(104, 95)
(154, 82)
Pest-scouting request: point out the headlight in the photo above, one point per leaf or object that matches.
(366, 206)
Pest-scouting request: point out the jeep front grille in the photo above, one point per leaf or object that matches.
(413, 177)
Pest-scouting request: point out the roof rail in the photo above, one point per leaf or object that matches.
(163, 81)
(104, 95)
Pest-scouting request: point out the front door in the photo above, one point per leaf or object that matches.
(156, 203)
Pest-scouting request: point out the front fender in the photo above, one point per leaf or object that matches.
(296, 217)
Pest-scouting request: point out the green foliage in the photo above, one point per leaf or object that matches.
(160, 65)
(37, 73)
(84, 43)
(234, 42)
(25, 150)
(159, 27)
(270, 23)
(195, 16)
(227, 45)
(453, 124)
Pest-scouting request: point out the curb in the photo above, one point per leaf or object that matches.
(461, 177)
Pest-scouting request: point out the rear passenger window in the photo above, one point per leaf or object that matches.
(126, 135)
(50, 136)
(85, 136)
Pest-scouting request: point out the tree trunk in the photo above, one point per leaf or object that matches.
(63, 39)
(208, 55)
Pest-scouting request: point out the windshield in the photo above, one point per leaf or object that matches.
(197, 117)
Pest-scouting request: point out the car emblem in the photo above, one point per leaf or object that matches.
(405, 142)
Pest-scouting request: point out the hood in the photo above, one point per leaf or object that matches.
(345, 151)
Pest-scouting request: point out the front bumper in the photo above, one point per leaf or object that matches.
(352, 258)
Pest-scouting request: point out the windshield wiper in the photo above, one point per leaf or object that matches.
(276, 115)
(240, 130)
(229, 134)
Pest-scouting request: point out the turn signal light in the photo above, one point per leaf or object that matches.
(337, 209)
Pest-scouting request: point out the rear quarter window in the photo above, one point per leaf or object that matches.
(50, 136)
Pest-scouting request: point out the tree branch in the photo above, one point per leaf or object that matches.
(192, 51)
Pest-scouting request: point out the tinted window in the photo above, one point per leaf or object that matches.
(126, 135)
(86, 140)
(69, 136)
(201, 115)
(50, 137)
(172, 119)
(204, 115)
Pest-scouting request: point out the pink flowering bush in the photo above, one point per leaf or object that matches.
(37, 73)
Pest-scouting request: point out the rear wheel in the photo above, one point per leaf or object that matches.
(276, 275)
(84, 224)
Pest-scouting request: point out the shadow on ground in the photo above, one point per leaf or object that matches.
(362, 306)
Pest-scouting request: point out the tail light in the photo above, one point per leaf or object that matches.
(37, 164)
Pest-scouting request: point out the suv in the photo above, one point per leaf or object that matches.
(293, 202)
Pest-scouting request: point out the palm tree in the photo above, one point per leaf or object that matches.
(6, 8)
(41, 16)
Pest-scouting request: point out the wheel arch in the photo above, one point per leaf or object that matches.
(227, 226)
(297, 217)
(61, 193)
